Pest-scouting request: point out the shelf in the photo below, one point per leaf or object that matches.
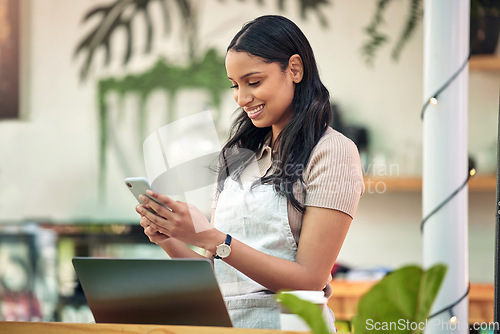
(484, 63)
(380, 185)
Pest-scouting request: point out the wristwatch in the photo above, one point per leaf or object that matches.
(223, 250)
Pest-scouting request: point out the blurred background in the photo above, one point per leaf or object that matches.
(84, 82)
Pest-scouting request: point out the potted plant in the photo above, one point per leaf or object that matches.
(399, 303)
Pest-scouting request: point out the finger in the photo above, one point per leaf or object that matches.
(150, 234)
(160, 209)
(158, 222)
(137, 209)
(150, 230)
(145, 222)
(164, 199)
(145, 210)
(147, 213)
(147, 207)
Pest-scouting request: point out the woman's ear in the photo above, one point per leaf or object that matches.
(296, 68)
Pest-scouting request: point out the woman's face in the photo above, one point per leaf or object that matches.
(263, 90)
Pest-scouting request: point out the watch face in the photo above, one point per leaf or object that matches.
(223, 250)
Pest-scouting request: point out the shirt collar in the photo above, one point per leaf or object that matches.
(264, 157)
(265, 149)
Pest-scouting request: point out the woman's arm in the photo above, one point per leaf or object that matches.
(322, 235)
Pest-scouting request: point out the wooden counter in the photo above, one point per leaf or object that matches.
(12, 327)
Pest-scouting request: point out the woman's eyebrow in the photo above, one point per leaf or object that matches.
(245, 75)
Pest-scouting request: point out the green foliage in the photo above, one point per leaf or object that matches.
(403, 298)
(309, 312)
(377, 39)
(206, 73)
(414, 17)
(343, 326)
(119, 15)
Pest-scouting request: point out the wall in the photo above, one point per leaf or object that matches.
(49, 164)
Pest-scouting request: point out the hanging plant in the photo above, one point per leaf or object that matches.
(206, 73)
(376, 39)
(484, 28)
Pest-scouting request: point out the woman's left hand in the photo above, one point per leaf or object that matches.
(176, 219)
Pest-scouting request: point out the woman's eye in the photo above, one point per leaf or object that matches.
(250, 84)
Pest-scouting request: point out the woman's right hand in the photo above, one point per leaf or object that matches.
(159, 234)
(152, 232)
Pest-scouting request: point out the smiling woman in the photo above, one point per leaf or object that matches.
(288, 184)
(265, 92)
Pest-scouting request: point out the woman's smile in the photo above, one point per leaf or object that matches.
(254, 112)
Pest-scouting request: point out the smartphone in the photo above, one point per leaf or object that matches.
(138, 186)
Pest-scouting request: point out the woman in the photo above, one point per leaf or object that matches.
(284, 227)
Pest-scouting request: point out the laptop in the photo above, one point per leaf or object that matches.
(152, 291)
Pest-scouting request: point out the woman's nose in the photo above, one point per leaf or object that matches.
(243, 97)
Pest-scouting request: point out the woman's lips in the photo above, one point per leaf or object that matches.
(254, 112)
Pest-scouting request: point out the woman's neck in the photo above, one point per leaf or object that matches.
(274, 136)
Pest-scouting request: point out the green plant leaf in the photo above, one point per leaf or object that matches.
(400, 302)
(429, 288)
(414, 18)
(309, 312)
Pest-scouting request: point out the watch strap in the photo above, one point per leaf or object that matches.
(228, 240)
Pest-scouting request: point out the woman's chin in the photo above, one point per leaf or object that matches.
(260, 124)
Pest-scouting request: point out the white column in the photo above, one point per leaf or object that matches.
(445, 158)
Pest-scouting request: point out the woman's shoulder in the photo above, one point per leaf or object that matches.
(333, 177)
(332, 140)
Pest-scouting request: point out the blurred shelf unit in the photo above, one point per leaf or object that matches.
(478, 183)
(484, 63)
(99, 232)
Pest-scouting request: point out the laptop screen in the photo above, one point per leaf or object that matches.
(152, 291)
